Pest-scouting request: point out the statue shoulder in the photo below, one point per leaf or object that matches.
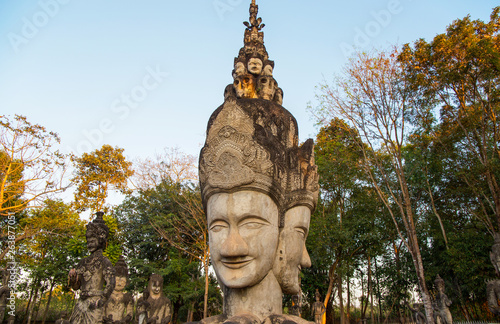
(127, 298)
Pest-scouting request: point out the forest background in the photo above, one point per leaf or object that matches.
(408, 158)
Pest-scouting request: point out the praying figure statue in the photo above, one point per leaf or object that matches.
(318, 309)
(442, 303)
(120, 306)
(154, 307)
(295, 308)
(94, 276)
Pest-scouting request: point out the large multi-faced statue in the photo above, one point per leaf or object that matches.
(94, 276)
(154, 307)
(259, 188)
(119, 308)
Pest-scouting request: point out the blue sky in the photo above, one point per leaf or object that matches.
(145, 75)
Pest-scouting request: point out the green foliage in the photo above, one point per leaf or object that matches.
(97, 173)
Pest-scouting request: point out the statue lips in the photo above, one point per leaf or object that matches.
(236, 263)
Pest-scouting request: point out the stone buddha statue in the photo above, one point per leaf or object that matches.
(94, 276)
(258, 188)
(119, 308)
(154, 307)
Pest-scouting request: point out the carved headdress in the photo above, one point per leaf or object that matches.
(98, 228)
(121, 267)
(252, 141)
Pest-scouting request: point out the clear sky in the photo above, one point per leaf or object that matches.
(145, 75)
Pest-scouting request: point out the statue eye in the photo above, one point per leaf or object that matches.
(252, 223)
(218, 226)
(301, 231)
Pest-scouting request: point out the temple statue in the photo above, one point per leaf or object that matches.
(119, 308)
(417, 315)
(295, 308)
(4, 292)
(259, 188)
(154, 307)
(441, 311)
(493, 286)
(318, 308)
(94, 276)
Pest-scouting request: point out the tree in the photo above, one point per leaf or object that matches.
(97, 173)
(30, 168)
(172, 165)
(459, 71)
(374, 99)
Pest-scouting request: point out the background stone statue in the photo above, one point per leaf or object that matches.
(442, 303)
(4, 292)
(94, 276)
(259, 188)
(154, 307)
(318, 309)
(119, 308)
(417, 314)
(295, 308)
(493, 286)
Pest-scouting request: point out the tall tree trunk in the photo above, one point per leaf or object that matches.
(205, 296)
(33, 303)
(28, 305)
(370, 289)
(341, 300)
(379, 297)
(48, 301)
(332, 280)
(348, 306)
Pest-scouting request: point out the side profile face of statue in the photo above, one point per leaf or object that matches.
(255, 66)
(292, 255)
(243, 236)
(239, 69)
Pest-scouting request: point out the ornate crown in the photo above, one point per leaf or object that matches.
(98, 228)
(121, 267)
(252, 141)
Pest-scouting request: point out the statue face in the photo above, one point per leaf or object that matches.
(92, 243)
(243, 236)
(120, 283)
(156, 287)
(254, 65)
(292, 255)
(267, 87)
(239, 69)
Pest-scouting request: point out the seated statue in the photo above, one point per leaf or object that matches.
(295, 308)
(119, 308)
(154, 307)
(94, 276)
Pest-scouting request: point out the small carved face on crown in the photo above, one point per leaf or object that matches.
(267, 87)
(268, 70)
(278, 97)
(245, 87)
(239, 69)
(255, 66)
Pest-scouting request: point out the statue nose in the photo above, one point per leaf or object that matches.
(305, 261)
(234, 245)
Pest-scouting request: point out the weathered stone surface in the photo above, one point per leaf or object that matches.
(318, 309)
(94, 276)
(442, 303)
(119, 308)
(4, 292)
(259, 188)
(154, 307)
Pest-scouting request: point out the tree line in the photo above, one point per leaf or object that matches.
(408, 157)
